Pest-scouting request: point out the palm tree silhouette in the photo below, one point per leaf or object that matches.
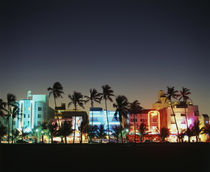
(184, 97)
(106, 95)
(196, 129)
(142, 129)
(2, 108)
(83, 128)
(11, 103)
(77, 100)
(101, 133)
(117, 130)
(52, 127)
(56, 90)
(93, 97)
(172, 93)
(164, 132)
(121, 106)
(135, 108)
(66, 129)
(3, 131)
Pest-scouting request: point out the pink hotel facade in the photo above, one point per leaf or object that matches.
(161, 116)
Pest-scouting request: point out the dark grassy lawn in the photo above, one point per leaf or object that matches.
(151, 156)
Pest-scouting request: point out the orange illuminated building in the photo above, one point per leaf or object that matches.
(161, 116)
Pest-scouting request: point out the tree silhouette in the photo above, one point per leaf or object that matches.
(93, 97)
(135, 108)
(11, 104)
(106, 95)
(65, 129)
(56, 90)
(142, 129)
(101, 132)
(164, 132)
(121, 106)
(52, 126)
(3, 130)
(76, 99)
(172, 94)
(117, 130)
(184, 98)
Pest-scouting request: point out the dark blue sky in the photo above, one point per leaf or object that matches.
(138, 47)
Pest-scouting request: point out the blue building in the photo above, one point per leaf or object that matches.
(97, 116)
(33, 111)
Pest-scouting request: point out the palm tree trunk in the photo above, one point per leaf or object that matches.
(56, 112)
(186, 118)
(107, 119)
(65, 140)
(51, 138)
(175, 122)
(81, 137)
(74, 125)
(8, 128)
(12, 130)
(135, 128)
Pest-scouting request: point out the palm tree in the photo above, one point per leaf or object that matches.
(56, 90)
(2, 107)
(121, 106)
(135, 108)
(189, 133)
(11, 103)
(184, 97)
(172, 94)
(83, 128)
(93, 97)
(101, 133)
(106, 95)
(66, 129)
(196, 129)
(52, 129)
(15, 112)
(164, 132)
(3, 130)
(142, 129)
(91, 132)
(77, 100)
(117, 130)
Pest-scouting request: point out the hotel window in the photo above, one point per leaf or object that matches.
(39, 115)
(24, 115)
(39, 109)
(28, 116)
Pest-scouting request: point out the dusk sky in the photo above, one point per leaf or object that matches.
(137, 47)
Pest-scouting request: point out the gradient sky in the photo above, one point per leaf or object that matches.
(137, 47)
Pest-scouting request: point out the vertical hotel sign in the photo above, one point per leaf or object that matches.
(154, 121)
